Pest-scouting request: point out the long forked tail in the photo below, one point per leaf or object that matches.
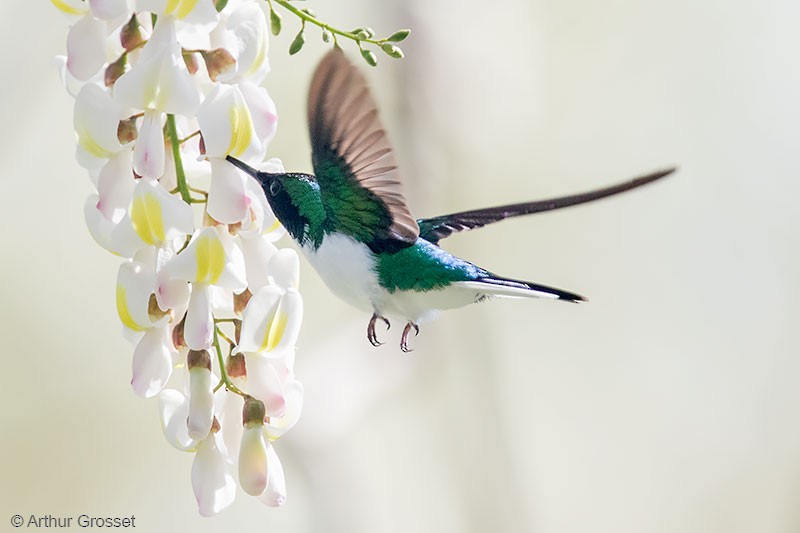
(497, 286)
(437, 228)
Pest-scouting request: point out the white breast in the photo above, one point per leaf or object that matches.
(348, 268)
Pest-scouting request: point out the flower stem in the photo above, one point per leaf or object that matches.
(180, 175)
(313, 20)
(222, 371)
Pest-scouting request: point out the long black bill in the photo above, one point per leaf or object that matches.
(244, 167)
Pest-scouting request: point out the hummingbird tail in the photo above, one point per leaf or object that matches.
(497, 286)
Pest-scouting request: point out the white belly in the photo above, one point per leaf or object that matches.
(348, 268)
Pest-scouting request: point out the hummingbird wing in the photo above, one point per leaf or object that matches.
(437, 228)
(353, 160)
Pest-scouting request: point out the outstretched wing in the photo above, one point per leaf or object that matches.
(437, 228)
(353, 160)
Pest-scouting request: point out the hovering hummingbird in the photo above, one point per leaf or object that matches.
(352, 222)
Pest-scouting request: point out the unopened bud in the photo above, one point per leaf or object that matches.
(298, 43)
(274, 22)
(130, 36)
(253, 413)
(218, 61)
(326, 36)
(115, 70)
(392, 50)
(177, 334)
(369, 57)
(126, 130)
(399, 35)
(201, 145)
(198, 359)
(190, 60)
(240, 301)
(236, 366)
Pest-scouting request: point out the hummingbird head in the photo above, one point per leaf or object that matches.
(295, 199)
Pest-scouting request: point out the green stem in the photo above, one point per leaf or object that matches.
(313, 20)
(222, 371)
(180, 175)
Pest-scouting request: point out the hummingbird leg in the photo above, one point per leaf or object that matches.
(371, 336)
(404, 339)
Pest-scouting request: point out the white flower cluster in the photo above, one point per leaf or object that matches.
(164, 90)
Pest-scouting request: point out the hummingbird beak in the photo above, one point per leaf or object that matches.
(247, 169)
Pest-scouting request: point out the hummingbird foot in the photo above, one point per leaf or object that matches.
(404, 339)
(371, 336)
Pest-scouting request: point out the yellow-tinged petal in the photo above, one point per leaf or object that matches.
(69, 9)
(123, 311)
(275, 330)
(147, 218)
(185, 7)
(241, 130)
(210, 258)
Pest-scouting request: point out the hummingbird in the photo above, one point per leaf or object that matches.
(351, 220)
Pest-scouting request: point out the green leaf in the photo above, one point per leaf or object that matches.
(392, 50)
(369, 57)
(298, 43)
(274, 22)
(220, 5)
(398, 36)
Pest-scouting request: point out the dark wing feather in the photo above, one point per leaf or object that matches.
(354, 163)
(437, 228)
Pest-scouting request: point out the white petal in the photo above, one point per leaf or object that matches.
(230, 418)
(86, 49)
(285, 268)
(109, 9)
(257, 253)
(293, 395)
(115, 186)
(228, 201)
(247, 39)
(265, 384)
(262, 110)
(212, 258)
(152, 363)
(213, 485)
(148, 153)
(227, 125)
(199, 328)
(160, 79)
(158, 216)
(99, 226)
(275, 495)
(253, 460)
(201, 402)
(174, 408)
(257, 319)
(96, 120)
(135, 283)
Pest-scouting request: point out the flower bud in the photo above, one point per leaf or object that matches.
(274, 22)
(201, 394)
(240, 301)
(115, 70)
(326, 36)
(399, 35)
(298, 43)
(369, 57)
(177, 334)
(130, 36)
(392, 50)
(127, 131)
(218, 61)
(236, 366)
(190, 60)
(253, 449)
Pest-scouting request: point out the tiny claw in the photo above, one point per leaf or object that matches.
(371, 335)
(404, 339)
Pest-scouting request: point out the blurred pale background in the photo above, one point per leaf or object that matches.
(669, 403)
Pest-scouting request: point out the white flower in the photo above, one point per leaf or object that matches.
(141, 119)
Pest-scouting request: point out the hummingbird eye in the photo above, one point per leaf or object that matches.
(274, 188)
